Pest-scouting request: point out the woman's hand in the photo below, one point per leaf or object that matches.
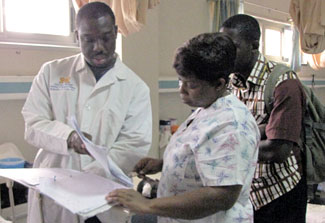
(148, 166)
(129, 199)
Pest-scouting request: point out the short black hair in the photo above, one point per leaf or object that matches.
(207, 57)
(247, 26)
(94, 10)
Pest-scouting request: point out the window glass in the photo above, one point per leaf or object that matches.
(39, 23)
(118, 48)
(276, 40)
(38, 16)
(272, 42)
(287, 44)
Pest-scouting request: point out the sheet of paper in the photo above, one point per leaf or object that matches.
(81, 193)
(100, 154)
(28, 177)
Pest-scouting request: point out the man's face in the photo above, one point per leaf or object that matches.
(245, 52)
(196, 93)
(97, 39)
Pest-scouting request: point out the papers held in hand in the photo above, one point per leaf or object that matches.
(100, 154)
(81, 193)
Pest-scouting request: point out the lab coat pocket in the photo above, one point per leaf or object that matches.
(63, 102)
(109, 125)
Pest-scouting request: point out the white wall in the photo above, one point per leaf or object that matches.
(140, 53)
(274, 10)
(278, 10)
(177, 26)
(149, 53)
(12, 127)
(21, 61)
(178, 22)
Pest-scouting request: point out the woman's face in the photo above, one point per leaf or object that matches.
(197, 93)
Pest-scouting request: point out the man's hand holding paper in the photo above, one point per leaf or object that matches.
(75, 142)
(99, 153)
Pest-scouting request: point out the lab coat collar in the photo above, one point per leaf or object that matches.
(81, 64)
(114, 71)
(112, 75)
(117, 69)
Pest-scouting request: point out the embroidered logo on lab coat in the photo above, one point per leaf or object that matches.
(63, 85)
(64, 80)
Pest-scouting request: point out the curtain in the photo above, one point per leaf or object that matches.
(220, 10)
(296, 53)
(309, 17)
(317, 61)
(130, 14)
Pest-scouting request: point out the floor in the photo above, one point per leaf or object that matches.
(20, 214)
(315, 213)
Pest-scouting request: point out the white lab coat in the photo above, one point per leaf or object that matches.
(116, 111)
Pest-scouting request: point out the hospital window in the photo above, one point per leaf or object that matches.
(276, 41)
(37, 22)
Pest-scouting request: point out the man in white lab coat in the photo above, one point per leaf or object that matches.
(111, 104)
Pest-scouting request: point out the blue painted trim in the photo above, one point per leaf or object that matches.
(172, 84)
(15, 87)
(168, 84)
(24, 87)
(317, 82)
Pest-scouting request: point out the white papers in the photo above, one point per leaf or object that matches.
(100, 154)
(81, 193)
(79, 197)
(28, 178)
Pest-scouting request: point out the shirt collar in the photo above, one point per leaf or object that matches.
(257, 75)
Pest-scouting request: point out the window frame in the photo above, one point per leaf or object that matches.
(15, 38)
(278, 26)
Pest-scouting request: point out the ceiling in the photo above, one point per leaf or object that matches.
(280, 5)
(275, 10)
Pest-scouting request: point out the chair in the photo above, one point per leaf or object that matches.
(9, 150)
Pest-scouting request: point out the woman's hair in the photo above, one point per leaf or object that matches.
(94, 10)
(247, 26)
(208, 57)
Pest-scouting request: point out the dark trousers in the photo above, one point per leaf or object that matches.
(147, 218)
(289, 208)
(135, 219)
(93, 220)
